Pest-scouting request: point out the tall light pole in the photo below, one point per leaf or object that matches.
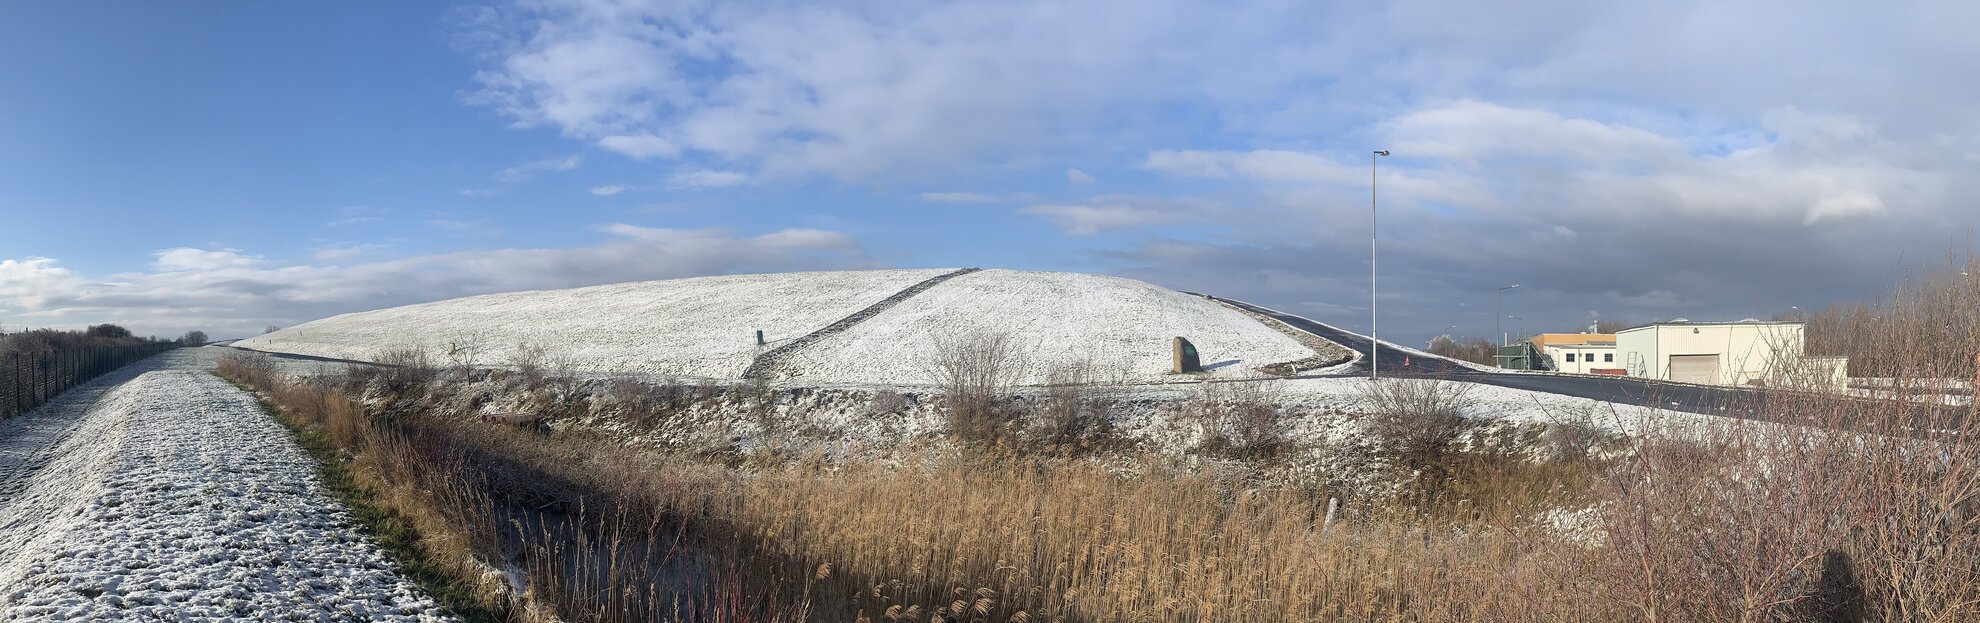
(1374, 344)
(1498, 313)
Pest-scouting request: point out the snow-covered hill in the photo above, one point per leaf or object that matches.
(699, 327)
(704, 327)
(1121, 327)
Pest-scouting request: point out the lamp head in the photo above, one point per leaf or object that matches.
(1381, 152)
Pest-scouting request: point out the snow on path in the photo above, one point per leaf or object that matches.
(160, 492)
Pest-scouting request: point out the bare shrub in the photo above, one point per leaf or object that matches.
(976, 371)
(528, 358)
(1475, 350)
(464, 350)
(1417, 423)
(1074, 416)
(886, 401)
(399, 371)
(248, 367)
(1242, 419)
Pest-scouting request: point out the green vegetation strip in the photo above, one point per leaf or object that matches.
(386, 526)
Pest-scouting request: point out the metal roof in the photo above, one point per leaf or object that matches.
(1692, 323)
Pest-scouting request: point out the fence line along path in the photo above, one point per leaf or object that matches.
(31, 379)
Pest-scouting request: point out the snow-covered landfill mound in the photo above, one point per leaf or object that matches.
(161, 493)
(698, 327)
(1120, 327)
(705, 327)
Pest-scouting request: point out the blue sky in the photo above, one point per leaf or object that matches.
(226, 166)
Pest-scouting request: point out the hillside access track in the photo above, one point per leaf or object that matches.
(766, 364)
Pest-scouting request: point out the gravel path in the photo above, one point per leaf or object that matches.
(160, 492)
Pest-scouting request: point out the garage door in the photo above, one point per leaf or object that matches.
(1695, 368)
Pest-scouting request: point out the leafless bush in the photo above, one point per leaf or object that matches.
(1242, 419)
(528, 359)
(1416, 423)
(976, 371)
(1074, 416)
(1475, 350)
(1923, 328)
(886, 401)
(399, 371)
(464, 350)
(248, 367)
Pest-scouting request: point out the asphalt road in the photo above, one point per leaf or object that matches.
(1727, 401)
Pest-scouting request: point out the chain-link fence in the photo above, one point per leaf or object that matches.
(31, 379)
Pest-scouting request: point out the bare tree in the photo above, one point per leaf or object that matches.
(193, 338)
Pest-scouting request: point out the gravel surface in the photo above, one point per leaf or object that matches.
(160, 492)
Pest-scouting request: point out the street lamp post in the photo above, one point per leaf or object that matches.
(1498, 313)
(1522, 331)
(1374, 344)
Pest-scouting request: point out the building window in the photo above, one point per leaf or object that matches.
(1608, 357)
(1570, 357)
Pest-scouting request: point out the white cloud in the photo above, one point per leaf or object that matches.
(865, 91)
(607, 191)
(228, 293)
(704, 178)
(189, 259)
(1077, 176)
(1114, 212)
(506, 178)
(357, 215)
(954, 197)
(642, 147)
(341, 252)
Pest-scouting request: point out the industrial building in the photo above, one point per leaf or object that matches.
(1748, 352)
(1579, 353)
